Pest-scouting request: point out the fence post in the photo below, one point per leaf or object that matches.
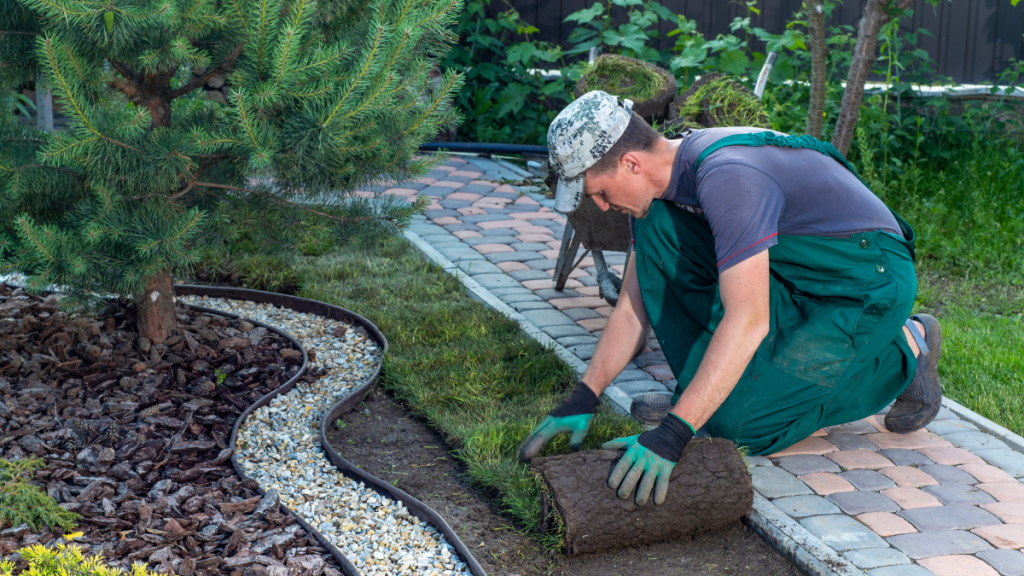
(44, 106)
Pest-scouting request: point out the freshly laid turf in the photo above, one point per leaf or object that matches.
(468, 371)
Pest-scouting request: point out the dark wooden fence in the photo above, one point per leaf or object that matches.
(972, 40)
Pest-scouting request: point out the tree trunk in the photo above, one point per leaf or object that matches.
(816, 108)
(155, 308)
(710, 489)
(877, 13)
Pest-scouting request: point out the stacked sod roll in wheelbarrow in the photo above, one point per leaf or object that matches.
(710, 488)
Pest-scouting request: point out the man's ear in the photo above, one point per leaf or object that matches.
(630, 162)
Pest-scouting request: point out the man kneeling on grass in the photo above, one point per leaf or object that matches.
(776, 282)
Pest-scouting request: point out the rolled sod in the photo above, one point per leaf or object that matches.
(710, 489)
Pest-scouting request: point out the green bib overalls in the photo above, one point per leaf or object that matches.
(835, 351)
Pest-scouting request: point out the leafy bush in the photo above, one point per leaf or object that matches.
(65, 560)
(23, 503)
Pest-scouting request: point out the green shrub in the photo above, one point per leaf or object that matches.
(23, 503)
(66, 561)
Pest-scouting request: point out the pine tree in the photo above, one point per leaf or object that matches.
(320, 99)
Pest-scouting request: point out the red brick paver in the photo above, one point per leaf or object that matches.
(1004, 491)
(986, 473)
(593, 324)
(492, 248)
(859, 459)
(661, 372)
(512, 266)
(825, 483)
(581, 302)
(908, 476)
(910, 498)
(951, 456)
(912, 441)
(1003, 536)
(810, 445)
(1009, 512)
(958, 565)
(886, 524)
(463, 234)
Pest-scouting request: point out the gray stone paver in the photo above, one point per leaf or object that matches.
(946, 427)
(927, 544)
(868, 558)
(951, 494)
(947, 474)
(1006, 562)
(578, 314)
(524, 275)
(1009, 460)
(775, 482)
(901, 570)
(956, 517)
(859, 502)
(803, 506)
(867, 480)
(546, 318)
(530, 305)
(807, 464)
(846, 441)
(903, 457)
(943, 529)
(473, 267)
(974, 440)
(840, 531)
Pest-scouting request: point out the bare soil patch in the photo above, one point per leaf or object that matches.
(384, 440)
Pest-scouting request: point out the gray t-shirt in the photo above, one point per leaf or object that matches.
(749, 195)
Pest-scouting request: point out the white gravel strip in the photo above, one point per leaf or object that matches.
(279, 447)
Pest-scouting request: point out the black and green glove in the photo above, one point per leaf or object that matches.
(574, 415)
(652, 455)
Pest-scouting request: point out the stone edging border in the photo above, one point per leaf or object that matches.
(787, 536)
(330, 311)
(1014, 440)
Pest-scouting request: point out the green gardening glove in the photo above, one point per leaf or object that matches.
(652, 455)
(574, 416)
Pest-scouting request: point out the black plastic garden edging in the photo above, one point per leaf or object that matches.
(415, 507)
(484, 148)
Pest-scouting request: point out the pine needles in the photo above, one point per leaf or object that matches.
(318, 103)
(23, 503)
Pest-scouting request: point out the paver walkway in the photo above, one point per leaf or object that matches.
(945, 501)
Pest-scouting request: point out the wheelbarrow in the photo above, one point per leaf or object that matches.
(596, 231)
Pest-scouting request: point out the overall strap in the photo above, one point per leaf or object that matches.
(766, 138)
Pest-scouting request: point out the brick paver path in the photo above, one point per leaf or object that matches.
(945, 501)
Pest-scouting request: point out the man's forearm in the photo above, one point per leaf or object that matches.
(625, 332)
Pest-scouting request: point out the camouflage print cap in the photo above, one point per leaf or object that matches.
(578, 137)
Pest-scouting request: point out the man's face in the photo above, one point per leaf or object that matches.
(619, 189)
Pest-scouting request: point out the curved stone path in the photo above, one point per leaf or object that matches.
(279, 446)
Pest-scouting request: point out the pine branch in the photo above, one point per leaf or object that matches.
(218, 70)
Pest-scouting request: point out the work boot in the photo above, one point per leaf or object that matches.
(917, 406)
(651, 407)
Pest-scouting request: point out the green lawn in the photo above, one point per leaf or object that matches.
(969, 217)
